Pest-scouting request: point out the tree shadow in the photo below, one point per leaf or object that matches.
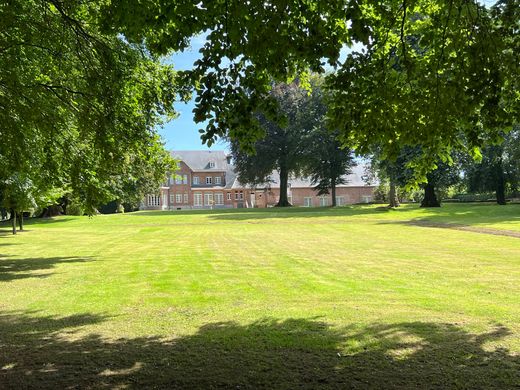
(45, 352)
(16, 268)
(273, 212)
(467, 213)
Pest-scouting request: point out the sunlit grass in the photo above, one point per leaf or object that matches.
(348, 281)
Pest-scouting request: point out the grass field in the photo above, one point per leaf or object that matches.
(354, 297)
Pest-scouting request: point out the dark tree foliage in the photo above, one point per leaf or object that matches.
(498, 170)
(327, 161)
(282, 148)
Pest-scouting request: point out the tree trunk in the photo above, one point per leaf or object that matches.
(284, 178)
(430, 199)
(500, 189)
(333, 192)
(13, 220)
(392, 195)
(20, 221)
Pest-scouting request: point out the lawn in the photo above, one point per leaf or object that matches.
(352, 297)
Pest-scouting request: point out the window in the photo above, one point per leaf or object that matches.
(171, 198)
(185, 179)
(218, 180)
(241, 195)
(211, 164)
(185, 198)
(307, 202)
(154, 200)
(178, 179)
(196, 180)
(236, 195)
(323, 201)
(366, 198)
(340, 200)
(219, 198)
(229, 196)
(197, 199)
(208, 180)
(178, 198)
(208, 199)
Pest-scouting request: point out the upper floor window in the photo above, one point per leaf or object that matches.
(218, 180)
(211, 164)
(196, 180)
(208, 180)
(178, 179)
(185, 179)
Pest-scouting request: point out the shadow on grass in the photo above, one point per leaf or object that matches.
(273, 212)
(15, 268)
(467, 213)
(44, 352)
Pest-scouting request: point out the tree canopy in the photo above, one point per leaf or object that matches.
(439, 74)
(78, 108)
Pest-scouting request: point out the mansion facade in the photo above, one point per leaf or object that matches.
(206, 180)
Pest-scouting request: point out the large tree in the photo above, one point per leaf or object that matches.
(499, 168)
(420, 58)
(328, 161)
(78, 108)
(283, 147)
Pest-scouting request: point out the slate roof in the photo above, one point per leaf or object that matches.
(355, 179)
(198, 160)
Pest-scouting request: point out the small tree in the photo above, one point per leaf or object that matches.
(17, 196)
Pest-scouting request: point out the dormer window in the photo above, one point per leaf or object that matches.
(212, 164)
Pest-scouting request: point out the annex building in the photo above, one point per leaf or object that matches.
(206, 179)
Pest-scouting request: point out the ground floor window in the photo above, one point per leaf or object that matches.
(219, 198)
(229, 196)
(208, 199)
(197, 199)
(366, 198)
(153, 200)
(171, 198)
(185, 198)
(178, 198)
(340, 200)
(307, 202)
(324, 201)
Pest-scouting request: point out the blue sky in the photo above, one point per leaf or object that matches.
(182, 133)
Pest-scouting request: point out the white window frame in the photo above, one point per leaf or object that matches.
(324, 201)
(212, 164)
(178, 198)
(209, 180)
(154, 200)
(340, 200)
(208, 199)
(307, 201)
(196, 180)
(185, 198)
(218, 180)
(185, 179)
(172, 197)
(197, 198)
(229, 196)
(366, 198)
(219, 198)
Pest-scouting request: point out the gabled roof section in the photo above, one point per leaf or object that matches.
(202, 160)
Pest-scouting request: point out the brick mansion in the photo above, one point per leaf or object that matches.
(206, 179)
